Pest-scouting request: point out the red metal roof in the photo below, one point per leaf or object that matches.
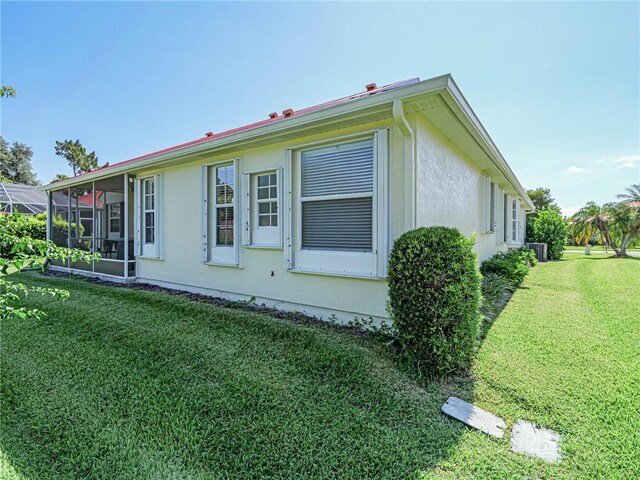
(272, 119)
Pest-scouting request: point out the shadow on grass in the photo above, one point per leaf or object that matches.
(122, 383)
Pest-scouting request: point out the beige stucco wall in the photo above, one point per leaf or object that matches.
(449, 189)
(322, 295)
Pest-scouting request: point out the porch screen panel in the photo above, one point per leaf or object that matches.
(337, 197)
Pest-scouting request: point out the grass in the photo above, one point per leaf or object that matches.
(120, 383)
(599, 248)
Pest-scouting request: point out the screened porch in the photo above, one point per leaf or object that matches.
(96, 217)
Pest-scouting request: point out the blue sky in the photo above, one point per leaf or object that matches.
(557, 85)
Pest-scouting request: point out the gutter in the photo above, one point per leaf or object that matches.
(407, 131)
(379, 100)
(441, 84)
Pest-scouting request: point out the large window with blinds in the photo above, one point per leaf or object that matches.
(337, 197)
(339, 191)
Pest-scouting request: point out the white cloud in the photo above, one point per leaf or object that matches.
(574, 169)
(568, 211)
(627, 161)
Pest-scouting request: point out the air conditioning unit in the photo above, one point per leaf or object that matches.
(540, 250)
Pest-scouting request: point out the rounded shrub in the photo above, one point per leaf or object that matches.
(549, 227)
(434, 298)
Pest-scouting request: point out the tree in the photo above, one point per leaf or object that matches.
(15, 163)
(27, 252)
(549, 227)
(6, 92)
(59, 177)
(632, 193)
(541, 198)
(616, 223)
(76, 154)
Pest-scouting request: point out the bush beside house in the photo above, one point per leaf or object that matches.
(434, 298)
(34, 227)
(549, 227)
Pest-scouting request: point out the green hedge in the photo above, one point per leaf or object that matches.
(512, 265)
(549, 227)
(434, 298)
(33, 226)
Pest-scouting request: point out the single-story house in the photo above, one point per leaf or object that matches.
(300, 210)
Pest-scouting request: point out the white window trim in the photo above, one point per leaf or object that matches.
(489, 205)
(251, 237)
(110, 217)
(150, 252)
(336, 263)
(228, 256)
(516, 220)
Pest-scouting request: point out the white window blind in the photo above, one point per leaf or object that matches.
(337, 197)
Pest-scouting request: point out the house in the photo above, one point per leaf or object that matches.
(300, 210)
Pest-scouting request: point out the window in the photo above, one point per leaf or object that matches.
(148, 215)
(338, 203)
(114, 217)
(149, 212)
(219, 214)
(267, 198)
(225, 215)
(337, 197)
(263, 225)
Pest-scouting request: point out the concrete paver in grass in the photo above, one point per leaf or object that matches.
(474, 417)
(537, 442)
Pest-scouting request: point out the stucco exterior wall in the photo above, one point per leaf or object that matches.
(449, 189)
(262, 273)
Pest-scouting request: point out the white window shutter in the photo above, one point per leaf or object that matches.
(287, 212)
(281, 190)
(204, 217)
(246, 221)
(137, 189)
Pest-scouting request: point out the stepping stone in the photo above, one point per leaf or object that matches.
(537, 442)
(474, 417)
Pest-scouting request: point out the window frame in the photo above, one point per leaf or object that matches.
(144, 249)
(255, 235)
(110, 217)
(211, 252)
(336, 262)
(514, 223)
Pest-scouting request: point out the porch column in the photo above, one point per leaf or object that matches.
(93, 223)
(126, 225)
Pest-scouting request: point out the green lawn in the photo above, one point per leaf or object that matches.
(120, 383)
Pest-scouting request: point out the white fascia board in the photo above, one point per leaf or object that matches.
(492, 150)
(429, 86)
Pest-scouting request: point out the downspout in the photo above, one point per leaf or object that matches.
(410, 157)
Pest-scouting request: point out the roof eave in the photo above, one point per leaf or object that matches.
(471, 120)
(429, 86)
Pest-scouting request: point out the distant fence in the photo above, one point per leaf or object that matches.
(540, 250)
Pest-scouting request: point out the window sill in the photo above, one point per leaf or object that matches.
(148, 257)
(328, 273)
(264, 247)
(221, 264)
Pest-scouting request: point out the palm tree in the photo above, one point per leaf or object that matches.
(632, 194)
(617, 223)
(588, 222)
